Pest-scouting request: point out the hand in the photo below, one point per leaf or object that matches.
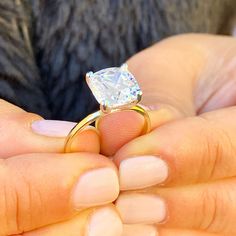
(43, 192)
(188, 160)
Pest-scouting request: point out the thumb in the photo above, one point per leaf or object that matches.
(119, 128)
(22, 132)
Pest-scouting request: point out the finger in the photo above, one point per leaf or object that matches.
(169, 80)
(41, 189)
(193, 86)
(208, 207)
(92, 222)
(148, 230)
(87, 140)
(205, 145)
(23, 132)
(127, 125)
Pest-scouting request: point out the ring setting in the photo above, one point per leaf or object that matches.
(115, 89)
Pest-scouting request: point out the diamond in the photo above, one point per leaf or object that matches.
(114, 87)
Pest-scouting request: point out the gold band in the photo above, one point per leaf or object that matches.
(95, 117)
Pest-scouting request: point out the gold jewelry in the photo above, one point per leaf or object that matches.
(116, 90)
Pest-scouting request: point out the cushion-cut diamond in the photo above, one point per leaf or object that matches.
(114, 87)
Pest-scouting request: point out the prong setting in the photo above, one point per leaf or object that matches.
(89, 75)
(124, 67)
(114, 88)
(104, 108)
(139, 97)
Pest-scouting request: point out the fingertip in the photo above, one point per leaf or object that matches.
(50, 128)
(117, 129)
(88, 140)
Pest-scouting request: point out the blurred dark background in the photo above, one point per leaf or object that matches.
(46, 46)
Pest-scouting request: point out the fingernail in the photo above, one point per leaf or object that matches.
(139, 230)
(52, 128)
(96, 187)
(105, 221)
(141, 208)
(141, 172)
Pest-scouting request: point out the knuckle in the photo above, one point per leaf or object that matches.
(16, 201)
(216, 147)
(3, 202)
(209, 145)
(8, 203)
(209, 210)
(211, 153)
(215, 209)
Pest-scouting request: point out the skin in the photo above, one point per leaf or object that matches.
(190, 89)
(37, 179)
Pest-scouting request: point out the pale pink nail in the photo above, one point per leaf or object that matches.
(141, 208)
(52, 128)
(142, 171)
(139, 230)
(96, 187)
(104, 222)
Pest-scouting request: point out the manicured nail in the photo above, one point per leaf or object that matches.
(96, 187)
(105, 222)
(141, 172)
(139, 230)
(52, 128)
(141, 208)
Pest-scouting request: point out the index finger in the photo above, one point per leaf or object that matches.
(187, 151)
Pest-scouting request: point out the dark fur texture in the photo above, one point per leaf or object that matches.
(46, 46)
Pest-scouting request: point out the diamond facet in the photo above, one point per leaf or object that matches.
(114, 87)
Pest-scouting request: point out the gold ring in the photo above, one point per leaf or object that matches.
(116, 90)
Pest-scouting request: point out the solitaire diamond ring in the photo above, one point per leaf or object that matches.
(115, 89)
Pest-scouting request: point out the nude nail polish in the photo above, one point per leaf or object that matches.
(96, 187)
(104, 222)
(52, 128)
(141, 172)
(137, 208)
